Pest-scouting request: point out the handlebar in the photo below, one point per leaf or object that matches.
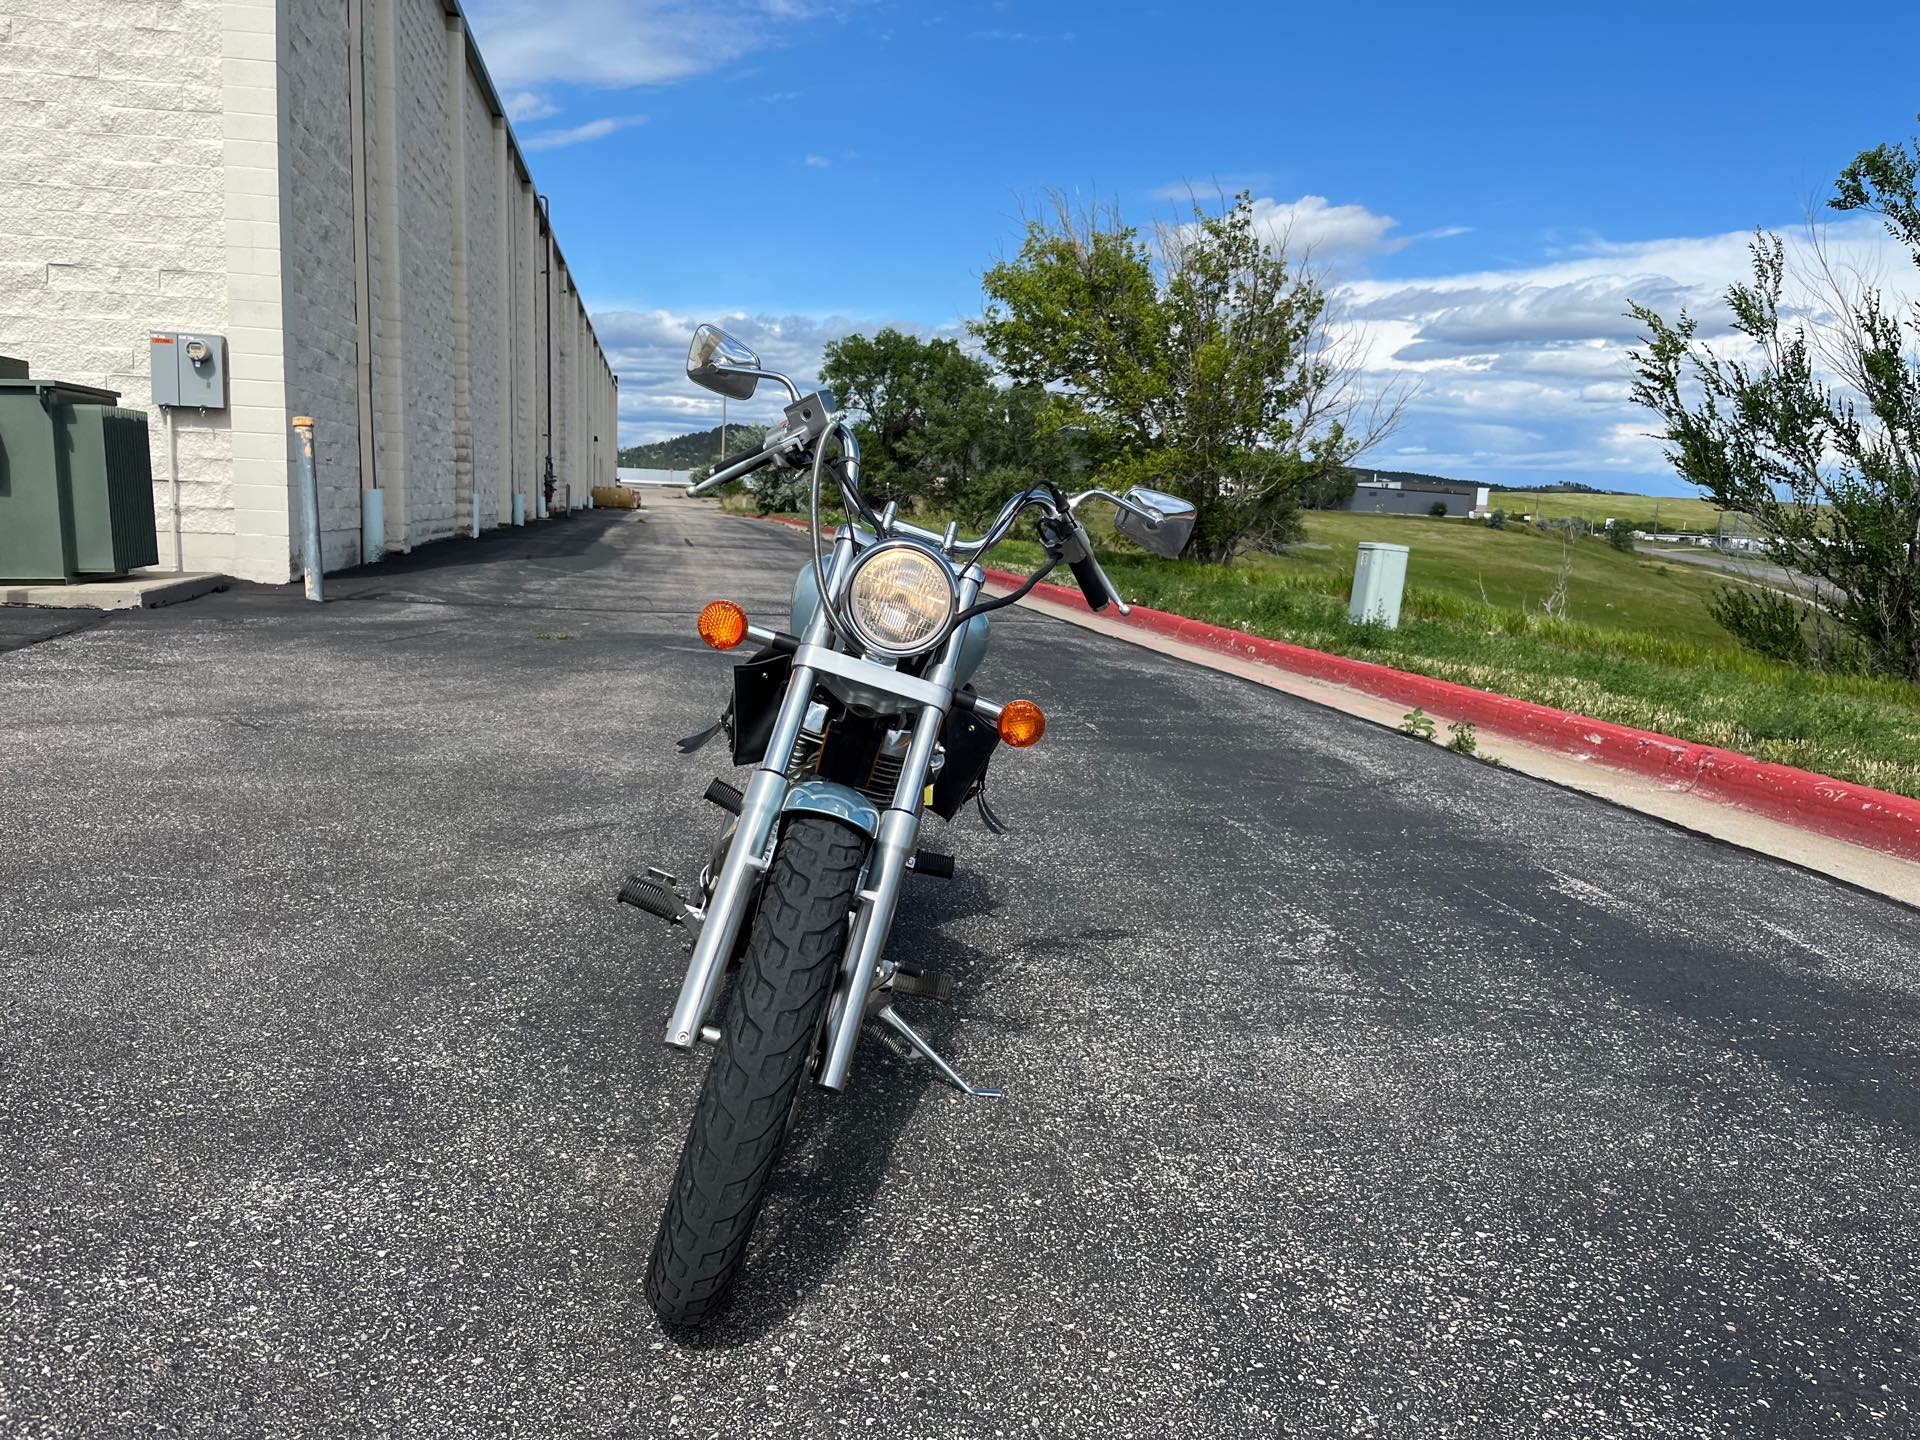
(740, 469)
(1070, 543)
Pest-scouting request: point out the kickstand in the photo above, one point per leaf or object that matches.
(932, 1056)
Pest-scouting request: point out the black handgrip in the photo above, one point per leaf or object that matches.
(727, 797)
(1093, 584)
(1066, 541)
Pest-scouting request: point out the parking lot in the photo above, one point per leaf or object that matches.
(1354, 1087)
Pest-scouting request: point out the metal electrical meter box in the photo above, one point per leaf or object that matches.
(1379, 579)
(189, 370)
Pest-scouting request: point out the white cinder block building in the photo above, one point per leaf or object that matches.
(331, 186)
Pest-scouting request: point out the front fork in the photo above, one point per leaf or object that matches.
(752, 849)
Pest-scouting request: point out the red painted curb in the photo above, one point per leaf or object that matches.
(1876, 819)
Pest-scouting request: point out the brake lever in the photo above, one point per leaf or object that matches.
(1094, 560)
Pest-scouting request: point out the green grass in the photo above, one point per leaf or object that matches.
(1637, 647)
(1518, 568)
(1639, 511)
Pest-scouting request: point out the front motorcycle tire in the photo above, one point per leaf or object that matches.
(799, 938)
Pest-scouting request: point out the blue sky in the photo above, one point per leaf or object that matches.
(1485, 185)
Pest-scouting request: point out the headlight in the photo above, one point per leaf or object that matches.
(901, 598)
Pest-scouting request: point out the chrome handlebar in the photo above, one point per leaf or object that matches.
(1010, 513)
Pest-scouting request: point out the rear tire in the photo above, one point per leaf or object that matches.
(799, 937)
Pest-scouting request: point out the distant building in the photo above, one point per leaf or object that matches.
(639, 475)
(1376, 496)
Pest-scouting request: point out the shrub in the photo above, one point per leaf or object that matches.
(1438, 509)
(1763, 621)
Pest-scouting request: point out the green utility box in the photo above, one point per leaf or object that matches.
(76, 483)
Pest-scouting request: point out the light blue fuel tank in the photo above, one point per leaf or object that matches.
(806, 600)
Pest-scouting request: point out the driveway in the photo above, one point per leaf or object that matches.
(1354, 1087)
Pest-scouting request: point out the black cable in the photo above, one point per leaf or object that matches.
(1005, 600)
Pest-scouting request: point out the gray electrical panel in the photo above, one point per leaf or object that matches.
(189, 370)
(1379, 579)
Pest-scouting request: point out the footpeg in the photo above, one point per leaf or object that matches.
(727, 797)
(658, 893)
(932, 864)
(918, 984)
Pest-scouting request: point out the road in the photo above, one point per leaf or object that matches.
(1355, 1088)
(1753, 569)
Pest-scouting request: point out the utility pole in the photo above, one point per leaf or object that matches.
(723, 430)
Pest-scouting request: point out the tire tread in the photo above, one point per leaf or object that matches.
(798, 938)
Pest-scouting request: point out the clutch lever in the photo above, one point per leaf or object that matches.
(1122, 606)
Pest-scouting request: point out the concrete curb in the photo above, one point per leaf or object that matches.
(1840, 809)
(129, 592)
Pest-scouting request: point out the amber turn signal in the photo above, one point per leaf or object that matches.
(1021, 723)
(723, 624)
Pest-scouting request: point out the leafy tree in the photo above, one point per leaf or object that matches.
(1202, 363)
(1620, 536)
(1330, 491)
(922, 405)
(1813, 436)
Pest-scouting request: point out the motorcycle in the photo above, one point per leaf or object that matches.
(858, 718)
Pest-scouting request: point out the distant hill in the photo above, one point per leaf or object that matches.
(1563, 487)
(684, 452)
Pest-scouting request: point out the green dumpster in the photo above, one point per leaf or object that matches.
(76, 483)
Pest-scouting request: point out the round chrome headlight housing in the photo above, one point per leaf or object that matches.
(901, 598)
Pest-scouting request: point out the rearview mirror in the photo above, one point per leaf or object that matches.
(722, 364)
(1166, 535)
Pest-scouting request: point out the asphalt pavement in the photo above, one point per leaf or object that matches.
(1354, 1087)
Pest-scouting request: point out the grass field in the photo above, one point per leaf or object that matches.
(1518, 568)
(1639, 511)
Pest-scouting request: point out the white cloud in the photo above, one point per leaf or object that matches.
(1312, 227)
(620, 43)
(581, 134)
(525, 106)
(1525, 371)
(1325, 231)
(817, 162)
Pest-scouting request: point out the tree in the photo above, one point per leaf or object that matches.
(1438, 509)
(1814, 436)
(1620, 536)
(922, 405)
(1204, 363)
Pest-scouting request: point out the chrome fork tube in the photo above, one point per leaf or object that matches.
(892, 848)
(749, 853)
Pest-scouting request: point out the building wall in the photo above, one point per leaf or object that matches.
(1407, 502)
(479, 322)
(137, 195)
(190, 165)
(322, 330)
(426, 270)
